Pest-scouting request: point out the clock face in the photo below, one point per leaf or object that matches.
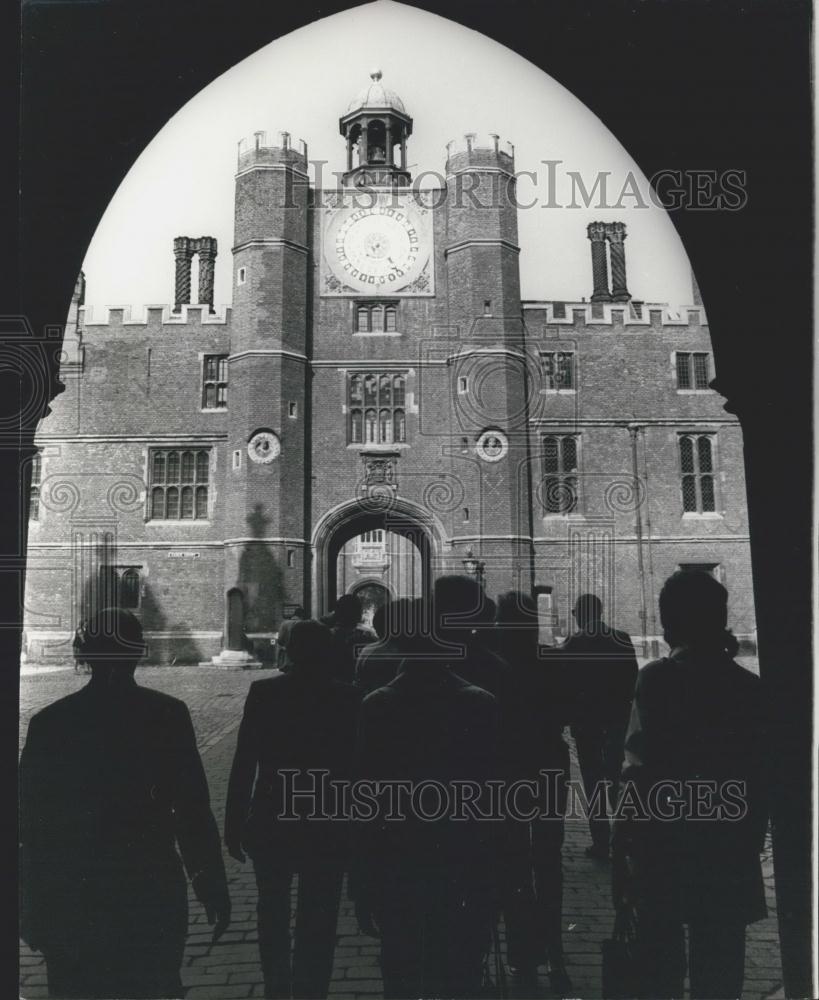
(263, 447)
(383, 246)
(492, 446)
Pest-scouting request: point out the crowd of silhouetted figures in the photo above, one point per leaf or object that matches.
(450, 692)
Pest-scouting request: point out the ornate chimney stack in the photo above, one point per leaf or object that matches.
(207, 260)
(616, 234)
(184, 248)
(183, 253)
(596, 231)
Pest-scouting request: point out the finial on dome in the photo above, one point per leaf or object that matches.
(375, 74)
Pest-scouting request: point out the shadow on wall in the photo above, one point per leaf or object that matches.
(176, 648)
(261, 580)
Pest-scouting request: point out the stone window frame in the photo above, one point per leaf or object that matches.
(562, 475)
(691, 371)
(381, 420)
(555, 374)
(218, 381)
(200, 486)
(698, 475)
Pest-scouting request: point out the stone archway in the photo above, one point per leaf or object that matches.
(402, 517)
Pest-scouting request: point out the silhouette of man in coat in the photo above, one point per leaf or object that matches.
(425, 881)
(298, 722)
(111, 784)
(697, 730)
(603, 667)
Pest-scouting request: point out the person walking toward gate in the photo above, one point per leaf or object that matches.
(532, 742)
(602, 666)
(111, 783)
(427, 885)
(350, 635)
(697, 735)
(294, 725)
(282, 639)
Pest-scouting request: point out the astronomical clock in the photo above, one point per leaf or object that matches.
(377, 243)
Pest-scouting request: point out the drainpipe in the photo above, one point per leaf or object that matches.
(633, 430)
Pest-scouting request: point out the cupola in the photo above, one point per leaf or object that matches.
(374, 124)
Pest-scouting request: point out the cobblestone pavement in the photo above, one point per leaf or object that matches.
(231, 967)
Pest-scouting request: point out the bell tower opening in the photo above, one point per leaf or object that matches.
(375, 125)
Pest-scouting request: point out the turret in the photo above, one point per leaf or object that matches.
(488, 368)
(264, 480)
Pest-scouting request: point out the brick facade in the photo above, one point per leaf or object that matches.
(471, 355)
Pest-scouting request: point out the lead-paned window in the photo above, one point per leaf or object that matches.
(693, 370)
(560, 467)
(375, 408)
(557, 369)
(376, 317)
(36, 479)
(180, 479)
(697, 473)
(214, 381)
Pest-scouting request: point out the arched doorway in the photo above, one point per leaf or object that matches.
(407, 520)
(235, 625)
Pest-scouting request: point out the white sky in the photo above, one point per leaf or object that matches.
(452, 80)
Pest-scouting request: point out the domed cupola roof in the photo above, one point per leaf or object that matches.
(376, 95)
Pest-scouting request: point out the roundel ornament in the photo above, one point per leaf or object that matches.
(492, 446)
(264, 447)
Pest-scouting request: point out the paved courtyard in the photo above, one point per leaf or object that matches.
(230, 968)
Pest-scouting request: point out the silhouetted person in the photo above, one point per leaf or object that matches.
(532, 740)
(428, 884)
(465, 633)
(282, 659)
(603, 668)
(350, 635)
(397, 624)
(111, 783)
(697, 718)
(76, 648)
(301, 720)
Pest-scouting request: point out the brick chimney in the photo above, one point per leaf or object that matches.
(184, 248)
(183, 253)
(616, 234)
(596, 231)
(207, 262)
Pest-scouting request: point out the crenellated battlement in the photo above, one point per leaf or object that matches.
(189, 314)
(257, 152)
(640, 315)
(480, 151)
